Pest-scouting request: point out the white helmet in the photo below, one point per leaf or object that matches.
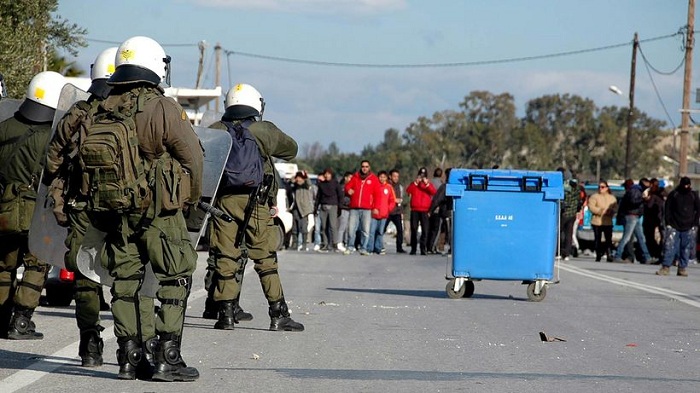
(141, 59)
(42, 96)
(103, 67)
(243, 101)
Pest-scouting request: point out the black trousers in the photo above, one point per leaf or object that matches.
(397, 219)
(419, 218)
(567, 234)
(602, 247)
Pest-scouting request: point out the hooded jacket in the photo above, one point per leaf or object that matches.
(384, 201)
(682, 209)
(363, 190)
(421, 196)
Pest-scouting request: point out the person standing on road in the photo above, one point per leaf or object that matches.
(441, 205)
(360, 189)
(653, 217)
(244, 108)
(67, 177)
(328, 201)
(682, 212)
(23, 141)
(396, 215)
(343, 214)
(603, 207)
(302, 208)
(145, 228)
(421, 192)
(569, 208)
(434, 220)
(383, 202)
(631, 209)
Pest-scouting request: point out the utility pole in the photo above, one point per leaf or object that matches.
(202, 47)
(685, 113)
(630, 115)
(217, 81)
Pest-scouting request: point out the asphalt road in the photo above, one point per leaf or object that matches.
(385, 324)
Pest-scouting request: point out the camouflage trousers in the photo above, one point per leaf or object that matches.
(129, 246)
(228, 262)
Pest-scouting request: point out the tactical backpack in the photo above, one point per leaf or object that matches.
(244, 166)
(114, 174)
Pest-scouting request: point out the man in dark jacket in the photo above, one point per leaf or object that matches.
(682, 211)
(631, 209)
(328, 201)
(396, 215)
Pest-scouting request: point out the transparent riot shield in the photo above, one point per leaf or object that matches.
(217, 145)
(209, 118)
(46, 237)
(8, 107)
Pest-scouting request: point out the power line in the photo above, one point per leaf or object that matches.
(656, 90)
(647, 63)
(436, 65)
(120, 42)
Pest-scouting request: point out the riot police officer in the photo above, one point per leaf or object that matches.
(65, 169)
(23, 140)
(244, 104)
(158, 234)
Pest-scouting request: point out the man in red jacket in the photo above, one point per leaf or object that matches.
(384, 202)
(360, 189)
(421, 192)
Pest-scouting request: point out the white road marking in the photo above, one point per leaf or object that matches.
(681, 297)
(42, 367)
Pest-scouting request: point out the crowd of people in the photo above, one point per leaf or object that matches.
(352, 213)
(661, 222)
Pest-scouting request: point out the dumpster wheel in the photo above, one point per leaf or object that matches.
(532, 296)
(466, 289)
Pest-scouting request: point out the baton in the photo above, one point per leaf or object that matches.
(214, 211)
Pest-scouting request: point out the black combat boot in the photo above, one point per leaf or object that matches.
(21, 325)
(169, 364)
(90, 348)
(129, 355)
(226, 316)
(280, 318)
(211, 311)
(146, 367)
(241, 315)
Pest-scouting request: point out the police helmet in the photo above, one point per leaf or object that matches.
(243, 101)
(101, 70)
(42, 96)
(141, 59)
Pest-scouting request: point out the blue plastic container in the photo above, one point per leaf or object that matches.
(505, 225)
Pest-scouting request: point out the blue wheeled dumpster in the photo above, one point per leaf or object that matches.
(505, 227)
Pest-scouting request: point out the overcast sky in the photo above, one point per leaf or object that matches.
(353, 105)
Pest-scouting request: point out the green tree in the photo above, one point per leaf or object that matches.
(30, 31)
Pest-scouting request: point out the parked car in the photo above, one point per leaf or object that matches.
(59, 286)
(584, 232)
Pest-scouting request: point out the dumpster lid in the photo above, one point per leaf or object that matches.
(551, 183)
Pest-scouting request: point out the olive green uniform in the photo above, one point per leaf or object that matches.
(162, 127)
(87, 299)
(20, 169)
(260, 235)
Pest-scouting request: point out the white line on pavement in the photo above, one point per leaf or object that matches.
(681, 297)
(42, 367)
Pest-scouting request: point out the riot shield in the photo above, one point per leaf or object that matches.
(209, 118)
(217, 145)
(90, 263)
(8, 107)
(46, 237)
